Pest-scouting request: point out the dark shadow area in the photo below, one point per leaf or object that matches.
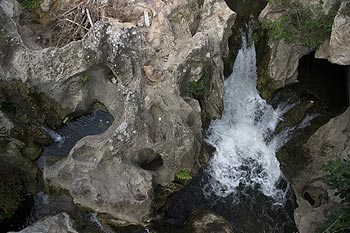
(18, 220)
(309, 198)
(323, 81)
(254, 212)
(321, 93)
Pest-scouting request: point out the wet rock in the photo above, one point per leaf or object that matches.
(205, 221)
(60, 223)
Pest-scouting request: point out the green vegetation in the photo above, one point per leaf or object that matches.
(196, 88)
(338, 178)
(30, 4)
(183, 175)
(84, 78)
(3, 214)
(310, 25)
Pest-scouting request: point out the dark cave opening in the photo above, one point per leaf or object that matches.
(324, 81)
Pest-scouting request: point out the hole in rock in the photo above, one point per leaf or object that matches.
(308, 197)
(148, 159)
(324, 81)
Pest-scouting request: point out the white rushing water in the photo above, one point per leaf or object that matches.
(244, 155)
(55, 136)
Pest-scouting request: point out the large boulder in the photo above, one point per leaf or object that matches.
(139, 70)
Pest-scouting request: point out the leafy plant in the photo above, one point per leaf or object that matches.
(337, 221)
(84, 78)
(197, 88)
(338, 178)
(183, 175)
(30, 4)
(309, 25)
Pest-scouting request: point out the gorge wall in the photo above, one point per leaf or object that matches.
(302, 159)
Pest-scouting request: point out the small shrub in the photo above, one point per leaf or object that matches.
(338, 178)
(183, 175)
(337, 221)
(197, 88)
(30, 4)
(84, 78)
(310, 26)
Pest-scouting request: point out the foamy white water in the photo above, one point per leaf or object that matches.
(243, 154)
(55, 136)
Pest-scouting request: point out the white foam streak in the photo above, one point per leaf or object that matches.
(55, 136)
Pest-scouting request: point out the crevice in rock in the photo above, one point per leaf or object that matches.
(309, 198)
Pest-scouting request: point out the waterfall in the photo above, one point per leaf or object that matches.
(244, 154)
(55, 136)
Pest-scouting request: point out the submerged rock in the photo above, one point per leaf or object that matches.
(204, 221)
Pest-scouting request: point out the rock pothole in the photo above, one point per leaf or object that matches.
(148, 159)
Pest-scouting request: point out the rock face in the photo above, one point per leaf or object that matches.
(337, 49)
(284, 57)
(139, 70)
(60, 223)
(283, 66)
(330, 141)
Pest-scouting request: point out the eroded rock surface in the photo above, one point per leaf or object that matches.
(60, 223)
(315, 199)
(153, 112)
(337, 48)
